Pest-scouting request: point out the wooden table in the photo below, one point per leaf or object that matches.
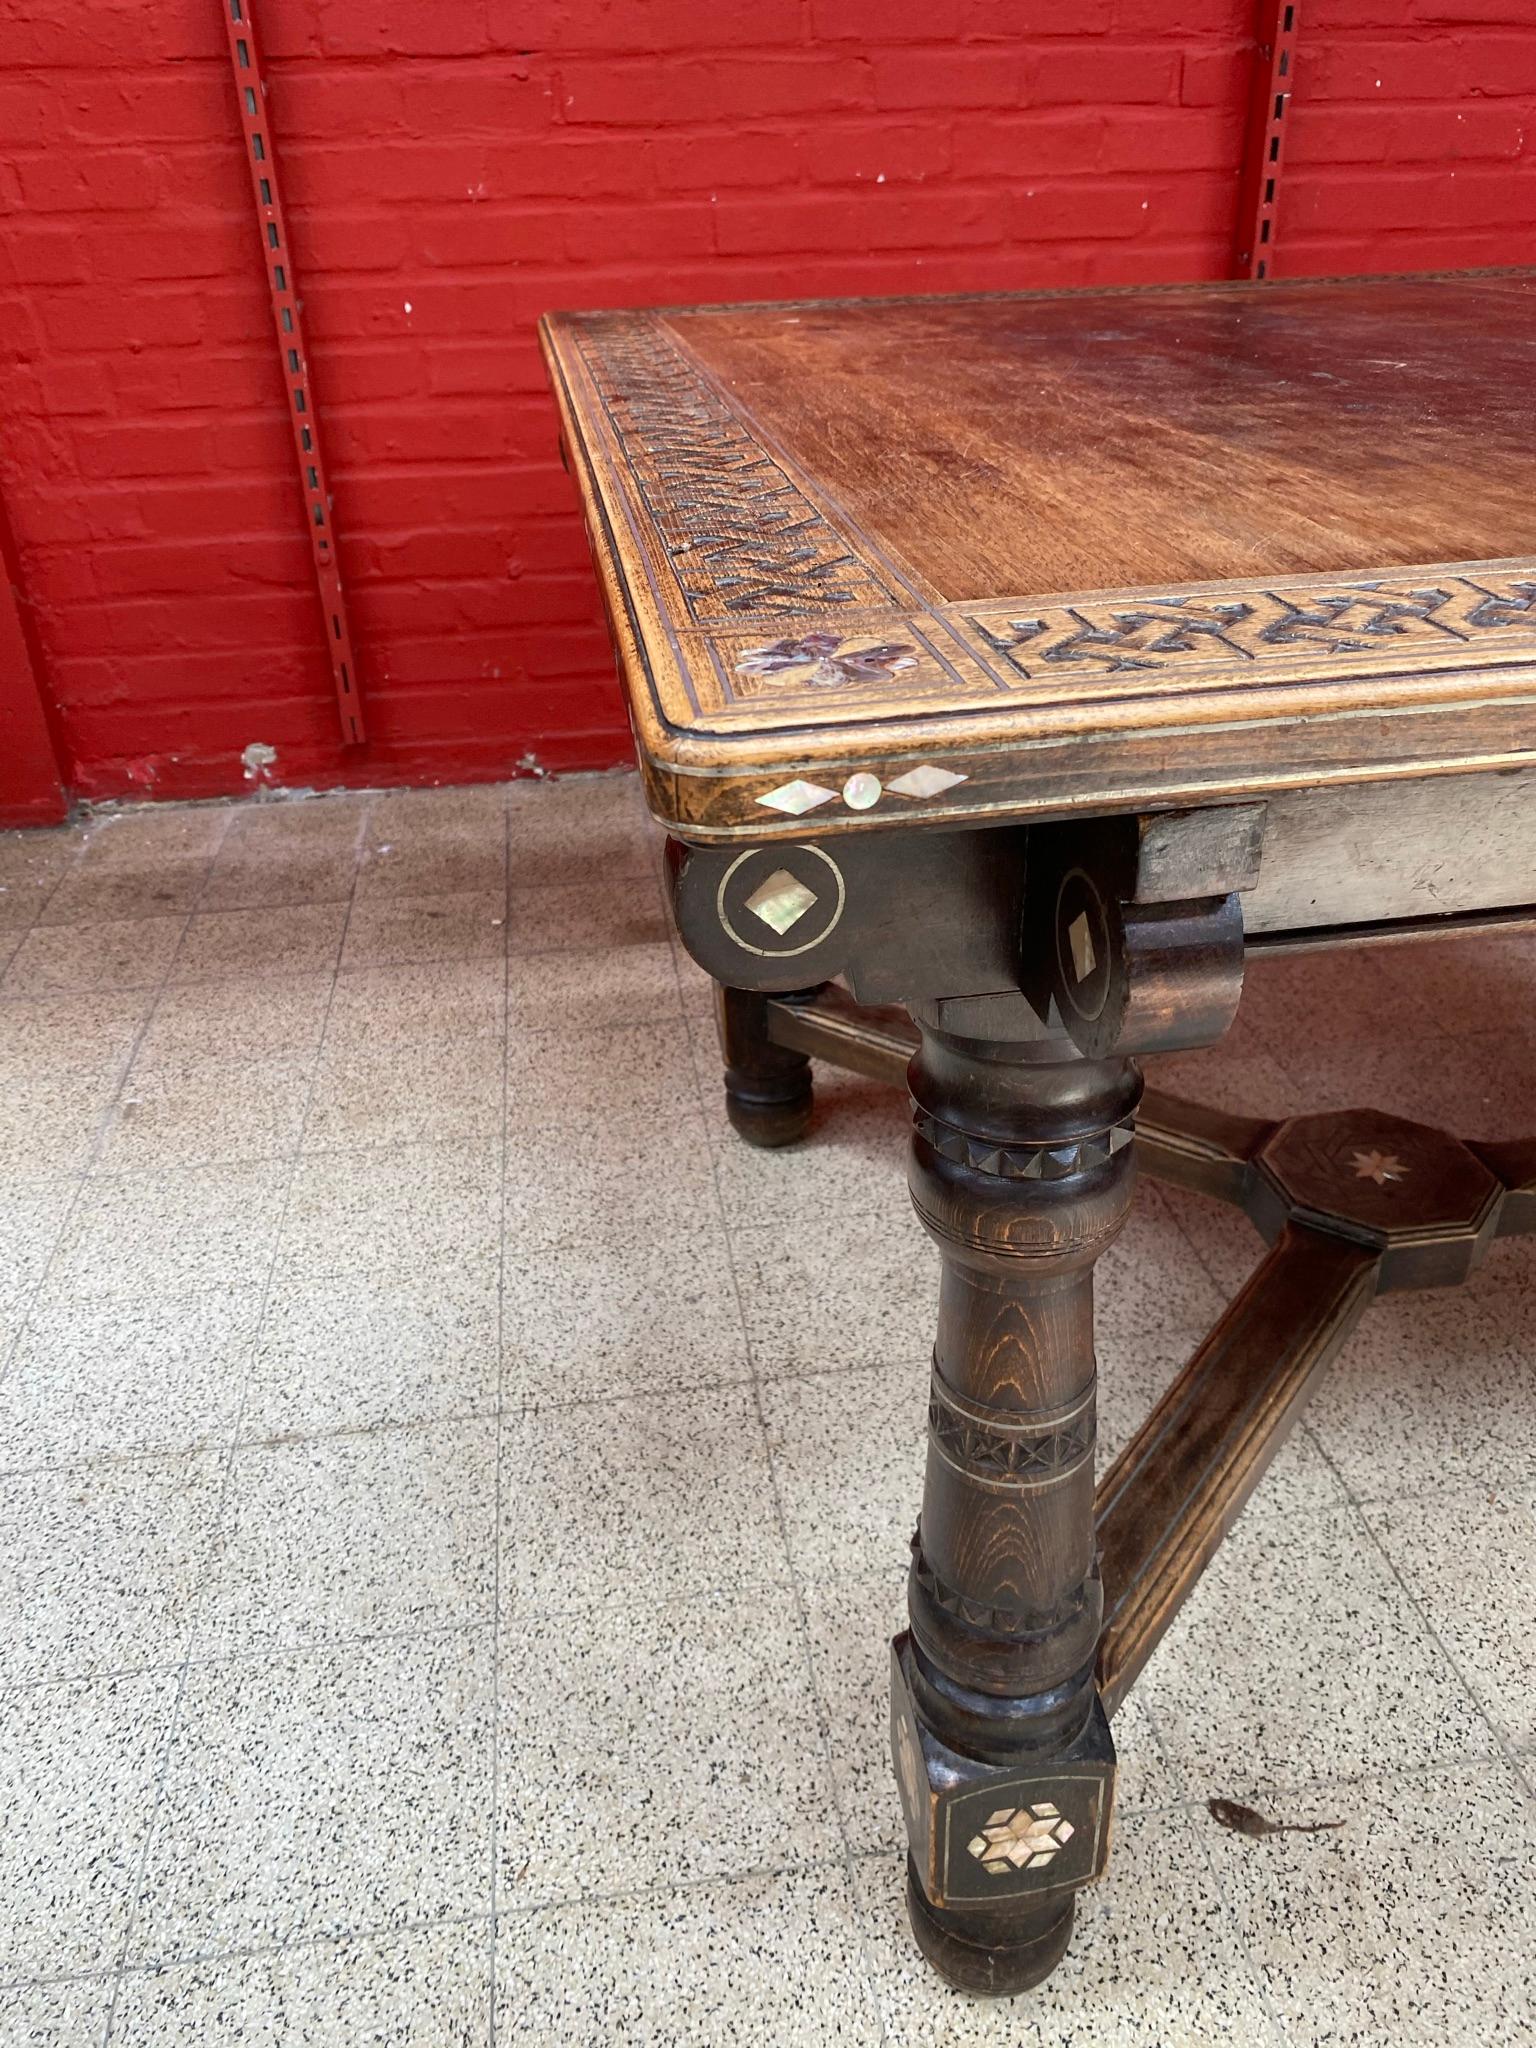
(1015, 662)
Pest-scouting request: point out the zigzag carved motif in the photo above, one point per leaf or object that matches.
(1006, 1456)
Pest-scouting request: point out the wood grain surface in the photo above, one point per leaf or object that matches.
(1021, 555)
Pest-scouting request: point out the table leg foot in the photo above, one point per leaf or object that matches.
(768, 1094)
(1022, 1958)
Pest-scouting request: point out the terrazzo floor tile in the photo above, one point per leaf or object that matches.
(112, 1379)
(588, 1322)
(401, 930)
(394, 1210)
(453, 999)
(32, 864)
(286, 853)
(88, 1037)
(676, 1744)
(392, 1531)
(294, 939)
(582, 1076)
(140, 862)
(320, 1794)
(1413, 1923)
(631, 984)
(854, 1155)
(71, 2013)
(433, 842)
(759, 1962)
(205, 1112)
(104, 1564)
(425, 1091)
(626, 1503)
(598, 1186)
(128, 953)
(553, 919)
(32, 1218)
(428, 1987)
(355, 1350)
(55, 1122)
(77, 1788)
(1299, 1658)
(1428, 1394)
(243, 1019)
(103, 891)
(405, 818)
(827, 1294)
(1321, 1001)
(1244, 1080)
(1219, 1238)
(1467, 1554)
(560, 834)
(1467, 1089)
(1146, 1286)
(851, 1622)
(1153, 1960)
(169, 1233)
(848, 1451)
(436, 864)
(1466, 983)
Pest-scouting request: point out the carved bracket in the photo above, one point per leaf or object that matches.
(1125, 933)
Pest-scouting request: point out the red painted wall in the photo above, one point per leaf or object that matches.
(453, 168)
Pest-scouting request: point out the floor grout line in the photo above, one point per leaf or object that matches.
(494, 1877)
(173, 1725)
(818, 1705)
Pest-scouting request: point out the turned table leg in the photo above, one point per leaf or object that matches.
(1021, 1172)
(1033, 962)
(767, 1088)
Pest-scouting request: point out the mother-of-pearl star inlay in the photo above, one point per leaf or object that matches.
(1378, 1166)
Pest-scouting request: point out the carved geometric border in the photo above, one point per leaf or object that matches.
(742, 537)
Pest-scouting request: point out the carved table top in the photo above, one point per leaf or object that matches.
(881, 561)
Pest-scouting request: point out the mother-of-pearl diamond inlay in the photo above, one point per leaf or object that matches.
(1080, 937)
(862, 791)
(781, 901)
(797, 797)
(1021, 1838)
(926, 781)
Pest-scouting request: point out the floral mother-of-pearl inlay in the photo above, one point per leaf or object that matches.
(815, 659)
(862, 791)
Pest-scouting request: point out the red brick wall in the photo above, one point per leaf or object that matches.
(455, 167)
(1413, 137)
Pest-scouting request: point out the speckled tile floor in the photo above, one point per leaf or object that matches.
(453, 1497)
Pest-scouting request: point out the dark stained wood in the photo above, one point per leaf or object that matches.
(1021, 1174)
(767, 1086)
(1177, 1487)
(1206, 1150)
